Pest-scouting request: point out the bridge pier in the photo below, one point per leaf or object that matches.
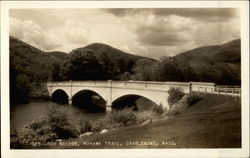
(108, 108)
(70, 101)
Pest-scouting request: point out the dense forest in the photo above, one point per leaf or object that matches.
(30, 67)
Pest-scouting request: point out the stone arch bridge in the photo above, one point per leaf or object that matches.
(110, 91)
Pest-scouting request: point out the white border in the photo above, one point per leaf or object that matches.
(6, 152)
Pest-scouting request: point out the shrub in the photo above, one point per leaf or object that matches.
(123, 117)
(119, 118)
(85, 126)
(192, 98)
(175, 94)
(98, 125)
(158, 109)
(54, 125)
(57, 119)
(14, 140)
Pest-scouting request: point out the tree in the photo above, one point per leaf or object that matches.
(229, 74)
(56, 72)
(169, 70)
(122, 65)
(65, 69)
(84, 66)
(187, 72)
(110, 70)
(130, 65)
(125, 76)
(142, 69)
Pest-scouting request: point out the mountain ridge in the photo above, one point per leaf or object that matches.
(114, 53)
(211, 54)
(101, 47)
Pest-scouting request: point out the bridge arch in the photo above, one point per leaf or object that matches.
(89, 100)
(60, 96)
(129, 101)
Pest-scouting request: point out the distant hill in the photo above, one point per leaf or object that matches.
(218, 63)
(29, 68)
(209, 55)
(26, 58)
(114, 54)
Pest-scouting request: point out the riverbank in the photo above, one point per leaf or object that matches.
(214, 122)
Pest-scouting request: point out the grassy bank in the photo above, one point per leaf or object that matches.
(213, 122)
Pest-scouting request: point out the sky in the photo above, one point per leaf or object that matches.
(151, 32)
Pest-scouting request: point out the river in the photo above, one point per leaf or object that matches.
(22, 114)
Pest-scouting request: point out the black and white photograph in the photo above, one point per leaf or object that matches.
(125, 77)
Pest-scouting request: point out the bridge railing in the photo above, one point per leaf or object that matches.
(160, 86)
(221, 90)
(149, 85)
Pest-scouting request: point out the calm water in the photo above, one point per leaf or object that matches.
(22, 114)
(25, 113)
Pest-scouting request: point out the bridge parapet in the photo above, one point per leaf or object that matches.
(162, 86)
(145, 85)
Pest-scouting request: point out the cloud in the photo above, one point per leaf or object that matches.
(204, 14)
(71, 34)
(161, 31)
(152, 32)
(159, 35)
(123, 11)
(33, 33)
(28, 31)
(215, 33)
(16, 28)
(75, 31)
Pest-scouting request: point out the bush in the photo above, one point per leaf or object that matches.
(54, 125)
(158, 109)
(123, 117)
(192, 98)
(98, 125)
(14, 139)
(175, 94)
(85, 126)
(57, 119)
(115, 119)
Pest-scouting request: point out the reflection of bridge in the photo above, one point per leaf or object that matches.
(111, 91)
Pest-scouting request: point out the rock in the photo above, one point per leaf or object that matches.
(86, 134)
(104, 131)
(146, 122)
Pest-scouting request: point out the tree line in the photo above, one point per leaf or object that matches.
(84, 65)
